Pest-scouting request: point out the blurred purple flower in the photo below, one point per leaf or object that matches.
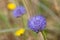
(20, 10)
(37, 23)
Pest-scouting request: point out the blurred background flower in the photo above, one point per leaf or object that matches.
(11, 6)
(19, 32)
(19, 11)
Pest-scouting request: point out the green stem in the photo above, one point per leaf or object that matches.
(44, 34)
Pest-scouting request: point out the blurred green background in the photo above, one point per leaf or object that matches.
(48, 8)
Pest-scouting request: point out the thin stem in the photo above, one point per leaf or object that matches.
(44, 35)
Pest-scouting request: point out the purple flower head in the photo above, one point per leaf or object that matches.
(20, 10)
(37, 23)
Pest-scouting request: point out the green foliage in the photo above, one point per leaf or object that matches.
(4, 19)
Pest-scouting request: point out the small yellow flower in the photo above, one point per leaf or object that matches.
(11, 6)
(19, 32)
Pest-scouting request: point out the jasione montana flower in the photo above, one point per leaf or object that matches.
(19, 11)
(37, 23)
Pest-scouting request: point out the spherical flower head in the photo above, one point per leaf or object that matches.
(19, 32)
(37, 23)
(20, 10)
(11, 6)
